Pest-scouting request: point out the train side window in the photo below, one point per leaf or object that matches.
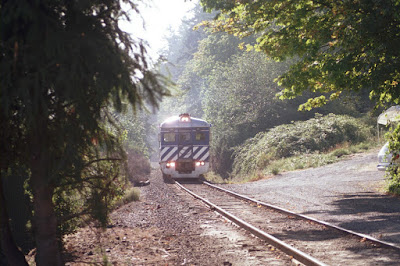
(169, 137)
(200, 136)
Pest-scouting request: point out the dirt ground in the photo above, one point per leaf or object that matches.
(168, 227)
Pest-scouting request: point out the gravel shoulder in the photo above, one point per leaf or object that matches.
(169, 227)
(348, 194)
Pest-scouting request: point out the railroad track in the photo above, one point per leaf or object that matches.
(307, 240)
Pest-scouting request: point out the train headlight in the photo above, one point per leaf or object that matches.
(184, 117)
(170, 164)
(199, 163)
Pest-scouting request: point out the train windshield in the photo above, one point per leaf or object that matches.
(169, 137)
(184, 137)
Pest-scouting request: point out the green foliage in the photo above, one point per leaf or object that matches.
(302, 161)
(342, 45)
(302, 137)
(131, 194)
(275, 170)
(239, 102)
(393, 174)
(341, 152)
(228, 83)
(214, 178)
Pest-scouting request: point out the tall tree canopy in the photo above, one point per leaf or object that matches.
(62, 64)
(341, 45)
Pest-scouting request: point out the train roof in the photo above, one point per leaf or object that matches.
(177, 121)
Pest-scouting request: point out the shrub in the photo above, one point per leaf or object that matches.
(130, 195)
(138, 166)
(392, 172)
(341, 152)
(275, 171)
(215, 178)
(321, 134)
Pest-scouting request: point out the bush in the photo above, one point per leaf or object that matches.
(215, 178)
(130, 195)
(341, 152)
(392, 173)
(138, 165)
(321, 134)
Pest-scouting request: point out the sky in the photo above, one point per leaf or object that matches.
(158, 16)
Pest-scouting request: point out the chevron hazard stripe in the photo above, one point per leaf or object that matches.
(169, 154)
(200, 153)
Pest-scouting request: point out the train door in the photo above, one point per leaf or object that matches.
(185, 144)
(185, 163)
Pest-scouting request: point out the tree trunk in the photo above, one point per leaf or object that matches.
(9, 252)
(44, 219)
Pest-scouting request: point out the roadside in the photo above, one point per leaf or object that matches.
(348, 194)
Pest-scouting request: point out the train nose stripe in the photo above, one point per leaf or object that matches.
(198, 152)
(165, 151)
(185, 152)
(169, 154)
(202, 154)
(205, 156)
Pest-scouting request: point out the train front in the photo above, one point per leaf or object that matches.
(184, 147)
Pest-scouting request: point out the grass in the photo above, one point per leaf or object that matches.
(131, 194)
(215, 178)
(314, 136)
(307, 160)
(317, 159)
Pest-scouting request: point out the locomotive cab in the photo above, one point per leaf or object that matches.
(184, 147)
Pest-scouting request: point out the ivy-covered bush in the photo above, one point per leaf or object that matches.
(393, 171)
(320, 133)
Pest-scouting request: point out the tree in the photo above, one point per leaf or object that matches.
(63, 63)
(239, 102)
(341, 45)
(182, 45)
(237, 92)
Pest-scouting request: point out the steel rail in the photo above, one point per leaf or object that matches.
(279, 244)
(279, 209)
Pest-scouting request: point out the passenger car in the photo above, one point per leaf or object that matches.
(384, 157)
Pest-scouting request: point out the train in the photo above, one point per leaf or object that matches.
(184, 143)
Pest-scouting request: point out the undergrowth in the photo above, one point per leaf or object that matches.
(303, 144)
(393, 173)
(215, 178)
(130, 195)
(304, 161)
